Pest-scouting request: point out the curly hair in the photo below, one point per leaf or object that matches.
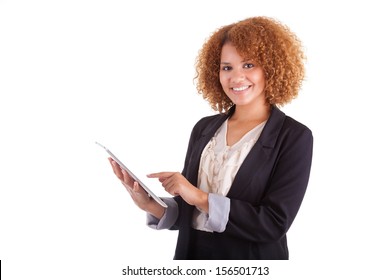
(263, 40)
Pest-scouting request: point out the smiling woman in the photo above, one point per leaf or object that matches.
(247, 167)
(243, 81)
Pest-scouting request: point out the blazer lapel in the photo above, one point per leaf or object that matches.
(259, 154)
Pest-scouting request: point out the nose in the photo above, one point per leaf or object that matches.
(237, 75)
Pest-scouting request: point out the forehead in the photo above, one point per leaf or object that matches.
(229, 52)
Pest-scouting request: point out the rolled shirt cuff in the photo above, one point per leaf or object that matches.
(219, 209)
(169, 218)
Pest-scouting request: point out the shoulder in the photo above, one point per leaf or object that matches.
(207, 126)
(281, 128)
(286, 123)
(296, 133)
(207, 119)
(293, 125)
(206, 122)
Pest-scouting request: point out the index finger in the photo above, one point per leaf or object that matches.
(160, 175)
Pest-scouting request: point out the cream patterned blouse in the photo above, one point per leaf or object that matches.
(219, 165)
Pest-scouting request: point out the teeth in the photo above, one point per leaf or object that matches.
(241, 88)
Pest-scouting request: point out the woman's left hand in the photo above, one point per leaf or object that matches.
(176, 184)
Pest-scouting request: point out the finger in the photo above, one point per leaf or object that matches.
(111, 163)
(136, 186)
(174, 179)
(128, 188)
(116, 168)
(127, 178)
(160, 175)
(137, 190)
(168, 182)
(172, 190)
(170, 186)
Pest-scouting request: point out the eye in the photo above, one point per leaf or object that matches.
(249, 65)
(226, 68)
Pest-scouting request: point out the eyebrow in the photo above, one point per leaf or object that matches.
(245, 60)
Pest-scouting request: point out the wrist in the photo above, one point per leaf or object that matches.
(155, 209)
(203, 201)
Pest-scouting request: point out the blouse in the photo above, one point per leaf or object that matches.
(219, 165)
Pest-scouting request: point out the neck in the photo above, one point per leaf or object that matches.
(257, 113)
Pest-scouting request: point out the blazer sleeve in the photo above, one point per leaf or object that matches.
(269, 219)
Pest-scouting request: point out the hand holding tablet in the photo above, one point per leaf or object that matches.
(135, 178)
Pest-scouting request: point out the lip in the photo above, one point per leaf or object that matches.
(240, 89)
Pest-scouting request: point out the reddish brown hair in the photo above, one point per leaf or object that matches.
(263, 40)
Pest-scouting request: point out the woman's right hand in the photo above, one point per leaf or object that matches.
(137, 193)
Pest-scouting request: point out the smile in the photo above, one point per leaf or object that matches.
(240, 88)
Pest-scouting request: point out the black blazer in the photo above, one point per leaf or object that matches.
(265, 194)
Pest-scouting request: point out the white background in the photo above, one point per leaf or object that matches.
(121, 72)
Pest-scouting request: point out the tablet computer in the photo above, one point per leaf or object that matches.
(148, 191)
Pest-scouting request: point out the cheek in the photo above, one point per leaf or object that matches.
(223, 79)
(261, 82)
(260, 79)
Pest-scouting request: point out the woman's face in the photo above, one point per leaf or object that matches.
(242, 80)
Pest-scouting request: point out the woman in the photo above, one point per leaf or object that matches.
(246, 168)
